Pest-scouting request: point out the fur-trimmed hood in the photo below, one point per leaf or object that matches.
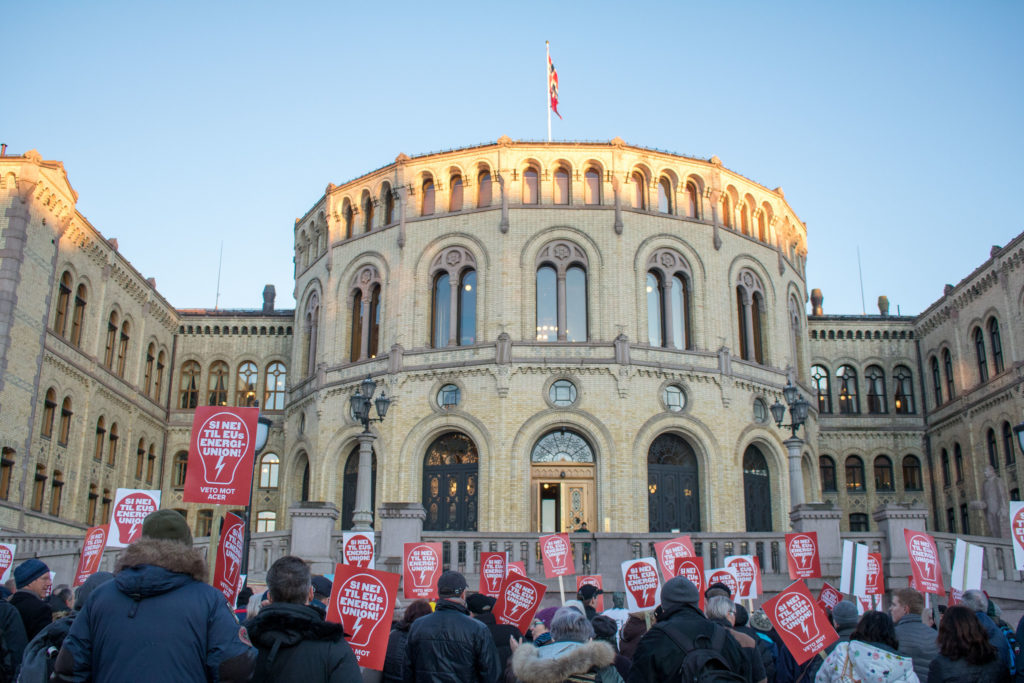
(151, 567)
(556, 662)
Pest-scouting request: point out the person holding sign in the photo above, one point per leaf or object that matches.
(294, 641)
(870, 655)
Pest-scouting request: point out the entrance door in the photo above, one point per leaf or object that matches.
(563, 504)
(757, 492)
(672, 482)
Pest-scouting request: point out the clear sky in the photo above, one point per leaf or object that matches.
(895, 127)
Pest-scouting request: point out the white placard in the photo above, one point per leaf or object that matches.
(967, 561)
(854, 577)
(131, 506)
(358, 549)
(7, 551)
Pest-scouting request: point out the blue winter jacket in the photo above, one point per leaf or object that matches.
(154, 622)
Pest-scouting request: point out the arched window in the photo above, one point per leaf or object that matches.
(90, 513)
(639, 185)
(655, 304)
(673, 485)
(745, 218)
(467, 308)
(936, 381)
(122, 349)
(101, 434)
(903, 390)
(60, 315)
(979, 349)
(692, 200)
(269, 466)
(750, 313)
(49, 411)
(365, 291)
(310, 334)
(1008, 445)
(883, 474)
(189, 386)
(453, 312)
(158, 385)
(958, 462)
(757, 490)
(179, 469)
(664, 195)
(947, 362)
(945, 467)
(65, 421)
(350, 486)
(427, 200)
(245, 384)
(562, 189)
(112, 442)
(997, 345)
(150, 463)
(111, 345)
(819, 378)
(455, 195)
(217, 384)
(846, 380)
(78, 316)
(668, 300)
(6, 472)
(827, 466)
(874, 376)
(450, 484)
(762, 228)
(147, 374)
(356, 341)
(854, 474)
(912, 480)
(39, 488)
(266, 520)
(442, 313)
(274, 387)
(56, 492)
(373, 340)
(531, 186)
(348, 218)
(993, 449)
(367, 212)
(592, 187)
(388, 200)
(727, 210)
(562, 293)
(484, 189)
(140, 459)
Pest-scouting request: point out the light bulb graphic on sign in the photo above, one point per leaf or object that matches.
(556, 550)
(803, 550)
(129, 513)
(493, 571)
(794, 613)
(423, 563)
(223, 442)
(641, 579)
(923, 554)
(519, 597)
(231, 550)
(362, 600)
(6, 560)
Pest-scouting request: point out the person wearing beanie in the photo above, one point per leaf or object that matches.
(573, 655)
(480, 607)
(917, 641)
(32, 578)
(661, 651)
(449, 645)
(605, 629)
(158, 620)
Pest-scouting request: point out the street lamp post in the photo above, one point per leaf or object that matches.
(362, 516)
(798, 416)
(262, 432)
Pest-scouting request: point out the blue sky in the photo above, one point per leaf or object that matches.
(895, 127)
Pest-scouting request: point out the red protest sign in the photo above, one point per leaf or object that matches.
(801, 623)
(668, 552)
(357, 549)
(7, 551)
(875, 581)
(693, 569)
(227, 570)
(92, 553)
(748, 576)
(363, 600)
(924, 561)
(830, 596)
(220, 455)
(516, 568)
(802, 555)
(643, 590)
(131, 507)
(955, 596)
(557, 554)
(421, 568)
(492, 573)
(596, 581)
(724, 575)
(518, 601)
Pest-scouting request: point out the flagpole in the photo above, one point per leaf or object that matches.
(547, 83)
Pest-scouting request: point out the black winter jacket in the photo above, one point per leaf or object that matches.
(13, 632)
(296, 645)
(449, 646)
(35, 614)
(394, 660)
(946, 670)
(500, 633)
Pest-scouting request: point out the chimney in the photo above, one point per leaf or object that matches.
(3, 149)
(269, 293)
(816, 299)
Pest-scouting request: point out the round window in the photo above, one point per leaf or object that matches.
(675, 398)
(562, 393)
(448, 396)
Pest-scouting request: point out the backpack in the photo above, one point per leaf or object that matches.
(1015, 648)
(703, 661)
(38, 660)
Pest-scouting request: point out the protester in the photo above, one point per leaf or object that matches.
(965, 651)
(978, 602)
(717, 588)
(844, 619)
(917, 641)
(722, 611)
(663, 650)
(157, 620)
(869, 656)
(61, 600)
(13, 640)
(540, 633)
(242, 604)
(766, 649)
(617, 612)
(295, 644)
(587, 595)
(632, 631)
(480, 607)
(449, 645)
(605, 629)
(573, 655)
(322, 587)
(32, 578)
(394, 660)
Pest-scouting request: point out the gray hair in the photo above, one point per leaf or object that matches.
(569, 625)
(719, 607)
(975, 600)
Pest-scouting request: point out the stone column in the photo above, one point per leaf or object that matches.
(562, 316)
(822, 518)
(892, 520)
(401, 523)
(312, 523)
(796, 476)
(453, 306)
(362, 516)
(666, 299)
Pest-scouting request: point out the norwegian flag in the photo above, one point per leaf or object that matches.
(553, 86)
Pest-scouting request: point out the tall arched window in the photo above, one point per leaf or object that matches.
(49, 411)
(846, 380)
(348, 218)
(664, 195)
(147, 374)
(453, 311)
(874, 377)
(827, 467)
(60, 314)
(750, 312)
(274, 387)
(150, 463)
(903, 390)
(673, 484)
(158, 384)
(762, 227)
(365, 290)
(947, 362)
(65, 422)
(101, 434)
(270, 464)
(655, 303)
(6, 472)
(936, 381)
(112, 441)
(562, 292)
(373, 339)
(562, 189)
(883, 474)
(442, 314)
(189, 386)
(668, 300)
(455, 194)
(111, 345)
(467, 308)
(592, 187)
(78, 316)
(484, 189)
(350, 486)
(854, 475)
(450, 483)
(388, 200)
(979, 349)
(997, 344)
(958, 462)
(217, 384)
(531, 186)
(427, 199)
(692, 200)
(757, 490)
(310, 334)
(745, 218)
(356, 341)
(246, 384)
(945, 467)
(1008, 445)
(639, 186)
(367, 212)
(727, 210)
(819, 378)
(56, 492)
(912, 480)
(993, 449)
(122, 349)
(179, 469)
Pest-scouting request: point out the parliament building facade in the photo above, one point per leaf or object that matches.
(570, 333)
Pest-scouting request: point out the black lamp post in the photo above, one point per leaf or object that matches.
(262, 433)
(362, 516)
(798, 408)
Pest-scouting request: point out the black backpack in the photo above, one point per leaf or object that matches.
(703, 661)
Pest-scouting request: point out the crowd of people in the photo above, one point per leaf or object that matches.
(156, 619)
